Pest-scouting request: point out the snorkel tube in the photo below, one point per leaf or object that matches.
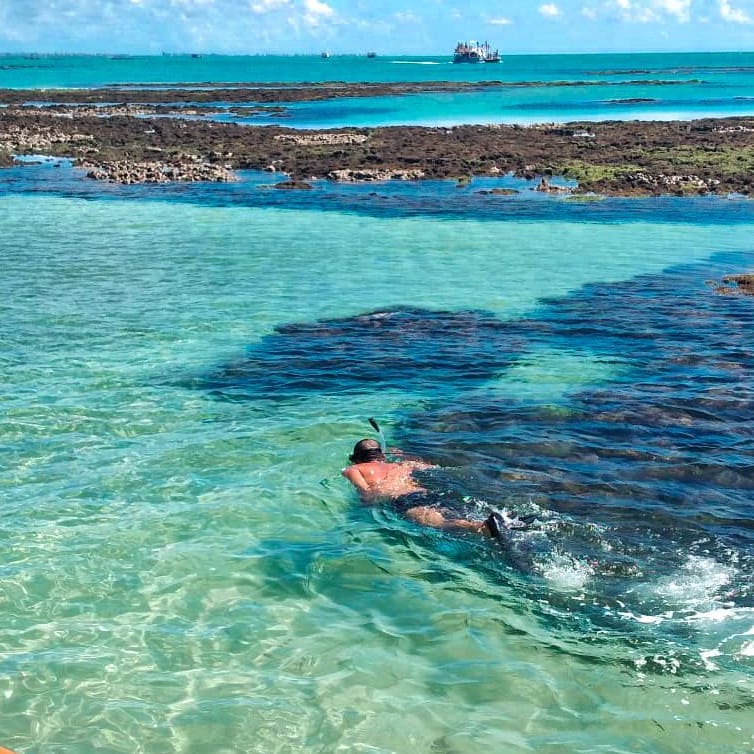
(380, 433)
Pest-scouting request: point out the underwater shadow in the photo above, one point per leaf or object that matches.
(408, 349)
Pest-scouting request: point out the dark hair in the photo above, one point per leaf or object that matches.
(365, 451)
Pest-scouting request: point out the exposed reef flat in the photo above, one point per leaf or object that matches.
(284, 92)
(631, 158)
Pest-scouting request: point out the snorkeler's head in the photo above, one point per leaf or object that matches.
(365, 451)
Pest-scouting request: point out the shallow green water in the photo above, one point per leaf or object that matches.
(182, 573)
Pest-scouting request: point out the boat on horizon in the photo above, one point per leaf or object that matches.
(325, 54)
(475, 52)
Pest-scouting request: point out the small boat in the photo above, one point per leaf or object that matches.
(491, 56)
(325, 54)
(475, 52)
(371, 54)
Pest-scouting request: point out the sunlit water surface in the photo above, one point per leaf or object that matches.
(183, 566)
(526, 88)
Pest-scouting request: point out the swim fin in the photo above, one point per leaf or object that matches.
(495, 524)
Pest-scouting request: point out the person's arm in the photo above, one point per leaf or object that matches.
(410, 463)
(356, 478)
(418, 465)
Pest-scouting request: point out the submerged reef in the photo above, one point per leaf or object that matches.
(406, 349)
(172, 130)
(627, 475)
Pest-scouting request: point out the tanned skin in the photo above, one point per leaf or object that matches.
(381, 479)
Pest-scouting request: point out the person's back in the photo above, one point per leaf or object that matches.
(382, 479)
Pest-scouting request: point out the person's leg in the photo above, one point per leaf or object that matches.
(427, 516)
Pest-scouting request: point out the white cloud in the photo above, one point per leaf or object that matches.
(260, 7)
(317, 10)
(637, 13)
(240, 26)
(642, 11)
(680, 9)
(191, 3)
(549, 9)
(734, 15)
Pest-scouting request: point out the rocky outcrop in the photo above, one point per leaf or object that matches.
(15, 138)
(366, 175)
(545, 187)
(127, 172)
(661, 183)
(328, 138)
(498, 192)
(741, 284)
(294, 185)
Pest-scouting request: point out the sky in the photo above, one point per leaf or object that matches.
(398, 27)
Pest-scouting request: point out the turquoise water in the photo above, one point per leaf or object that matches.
(182, 570)
(184, 370)
(44, 71)
(669, 86)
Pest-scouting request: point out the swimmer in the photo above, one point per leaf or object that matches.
(377, 479)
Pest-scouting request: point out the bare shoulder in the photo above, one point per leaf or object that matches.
(355, 477)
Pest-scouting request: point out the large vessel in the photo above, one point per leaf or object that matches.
(475, 52)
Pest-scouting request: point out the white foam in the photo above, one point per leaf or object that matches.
(747, 650)
(695, 584)
(565, 572)
(717, 615)
(650, 619)
(707, 654)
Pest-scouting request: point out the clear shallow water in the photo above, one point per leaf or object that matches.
(184, 370)
(183, 565)
(671, 86)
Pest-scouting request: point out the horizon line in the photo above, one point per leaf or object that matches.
(199, 53)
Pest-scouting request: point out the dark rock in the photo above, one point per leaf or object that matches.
(735, 285)
(294, 186)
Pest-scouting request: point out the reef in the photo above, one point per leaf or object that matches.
(735, 285)
(353, 354)
(708, 156)
(650, 463)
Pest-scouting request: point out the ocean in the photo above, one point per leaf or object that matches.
(185, 369)
(532, 88)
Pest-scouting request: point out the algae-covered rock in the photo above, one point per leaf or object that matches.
(741, 284)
